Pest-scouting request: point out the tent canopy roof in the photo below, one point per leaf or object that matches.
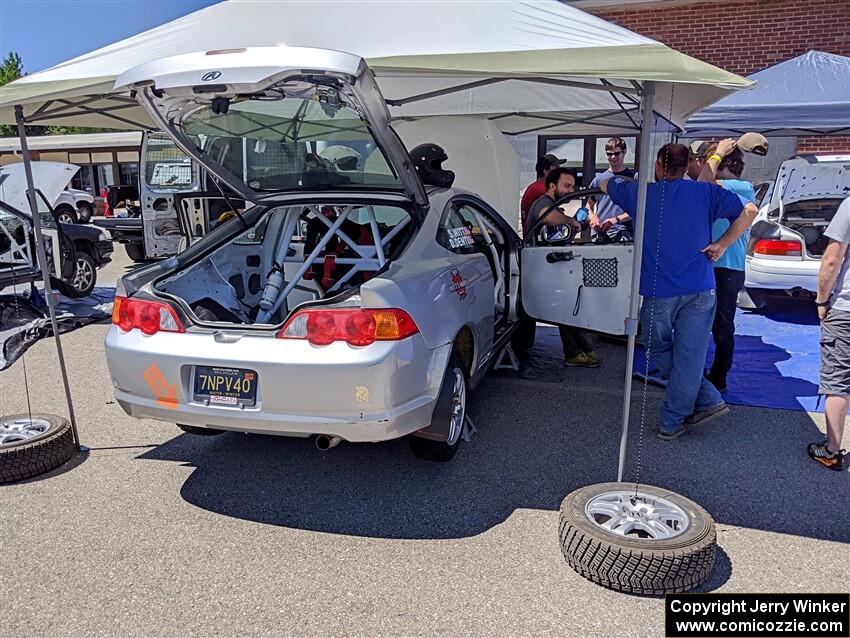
(809, 94)
(528, 66)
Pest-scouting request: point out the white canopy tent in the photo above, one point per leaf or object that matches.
(525, 66)
(529, 66)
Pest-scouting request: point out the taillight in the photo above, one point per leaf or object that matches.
(355, 326)
(148, 316)
(784, 248)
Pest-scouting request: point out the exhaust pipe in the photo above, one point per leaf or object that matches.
(325, 442)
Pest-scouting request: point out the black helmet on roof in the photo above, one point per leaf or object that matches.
(428, 159)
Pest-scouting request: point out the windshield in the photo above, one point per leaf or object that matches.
(275, 144)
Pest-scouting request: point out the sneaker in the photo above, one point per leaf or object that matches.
(669, 435)
(581, 360)
(593, 356)
(826, 457)
(703, 416)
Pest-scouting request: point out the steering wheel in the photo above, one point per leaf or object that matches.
(530, 238)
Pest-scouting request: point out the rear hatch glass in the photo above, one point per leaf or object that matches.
(291, 144)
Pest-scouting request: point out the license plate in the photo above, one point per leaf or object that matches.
(225, 386)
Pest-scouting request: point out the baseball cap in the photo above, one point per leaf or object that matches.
(754, 143)
(545, 161)
(698, 148)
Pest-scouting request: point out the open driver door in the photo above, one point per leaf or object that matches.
(573, 283)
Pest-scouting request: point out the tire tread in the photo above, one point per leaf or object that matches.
(648, 571)
(40, 456)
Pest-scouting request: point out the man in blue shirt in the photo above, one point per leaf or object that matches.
(724, 166)
(677, 280)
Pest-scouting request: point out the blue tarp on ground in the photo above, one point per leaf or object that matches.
(807, 94)
(23, 321)
(776, 358)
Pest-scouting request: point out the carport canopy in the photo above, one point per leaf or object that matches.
(528, 66)
(806, 95)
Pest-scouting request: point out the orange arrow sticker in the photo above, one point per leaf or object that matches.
(166, 393)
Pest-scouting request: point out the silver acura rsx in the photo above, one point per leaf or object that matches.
(345, 289)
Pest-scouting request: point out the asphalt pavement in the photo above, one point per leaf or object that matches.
(153, 532)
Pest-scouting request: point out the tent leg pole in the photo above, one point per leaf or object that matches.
(45, 272)
(646, 172)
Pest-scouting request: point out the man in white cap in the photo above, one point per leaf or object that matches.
(696, 157)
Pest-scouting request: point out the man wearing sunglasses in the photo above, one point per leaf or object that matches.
(605, 216)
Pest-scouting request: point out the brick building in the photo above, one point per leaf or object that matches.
(742, 36)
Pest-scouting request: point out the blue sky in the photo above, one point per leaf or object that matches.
(46, 32)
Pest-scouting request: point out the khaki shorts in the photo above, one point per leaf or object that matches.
(835, 353)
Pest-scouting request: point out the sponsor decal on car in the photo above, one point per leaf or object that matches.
(459, 284)
(166, 393)
(460, 237)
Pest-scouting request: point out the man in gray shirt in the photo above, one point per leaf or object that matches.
(833, 302)
(605, 216)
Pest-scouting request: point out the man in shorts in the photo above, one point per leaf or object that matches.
(833, 302)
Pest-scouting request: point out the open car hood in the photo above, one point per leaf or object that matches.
(800, 180)
(50, 178)
(270, 121)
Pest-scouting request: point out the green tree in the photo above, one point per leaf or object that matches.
(10, 69)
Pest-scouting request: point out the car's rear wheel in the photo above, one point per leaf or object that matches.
(449, 416)
(84, 212)
(135, 251)
(66, 215)
(83, 280)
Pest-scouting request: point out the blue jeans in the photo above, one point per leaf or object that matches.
(676, 330)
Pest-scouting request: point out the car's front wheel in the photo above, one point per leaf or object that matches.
(84, 212)
(135, 251)
(66, 215)
(449, 416)
(82, 282)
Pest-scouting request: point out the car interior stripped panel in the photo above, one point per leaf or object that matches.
(293, 254)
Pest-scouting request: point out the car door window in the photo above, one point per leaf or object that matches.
(460, 232)
(45, 212)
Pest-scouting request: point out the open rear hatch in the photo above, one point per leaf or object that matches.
(805, 199)
(275, 121)
(304, 135)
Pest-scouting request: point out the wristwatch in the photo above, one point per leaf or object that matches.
(823, 304)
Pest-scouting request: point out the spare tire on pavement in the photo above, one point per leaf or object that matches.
(33, 444)
(637, 539)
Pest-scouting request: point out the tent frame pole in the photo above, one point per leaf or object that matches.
(45, 272)
(646, 171)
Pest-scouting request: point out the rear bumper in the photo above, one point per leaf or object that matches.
(379, 392)
(769, 274)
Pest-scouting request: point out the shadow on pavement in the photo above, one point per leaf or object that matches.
(721, 573)
(536, 442)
